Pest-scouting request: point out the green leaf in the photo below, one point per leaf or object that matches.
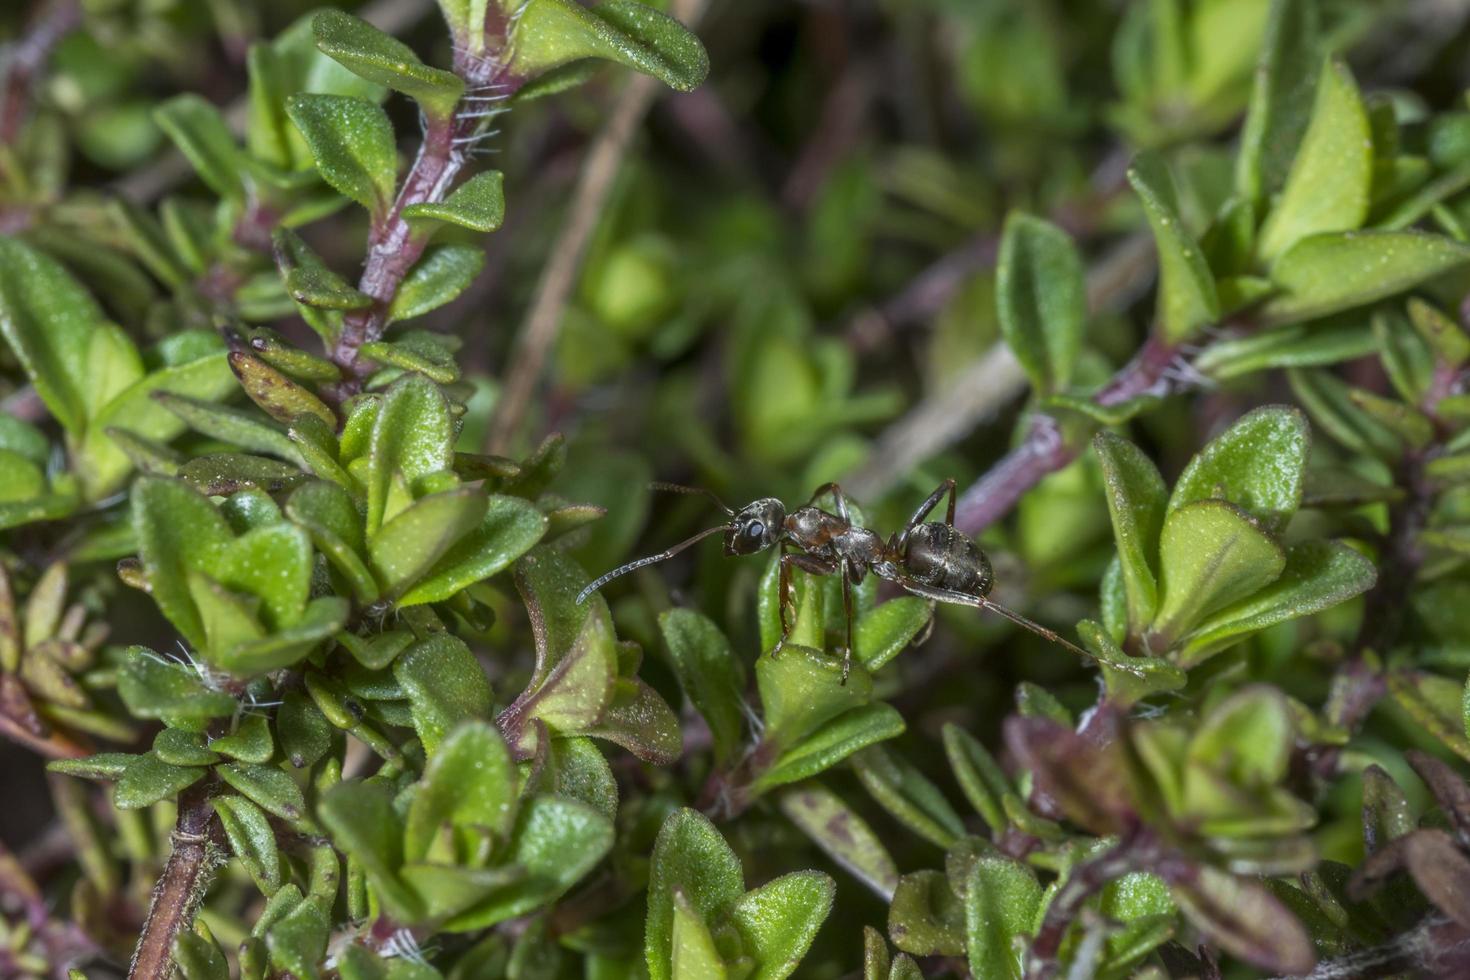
(298, 941)
(1136, 503)
(887, 629)
(440, 276)
(409, 545)
(252, 839)
(241, 428)
(320, 287)
(693, 952)
(328, 515)
(1331, 179)
(576, 693)
(510, 528)
(362, 822)
(268, 786)
(1002, 899)
(851, 731)
(710, 675)
(147, 780)
(1212, 555)
(1328, 400)
(154, 688)
(800, 692)
(303, 730)
(926, 917)
(638, 719)
(691, 858)
(178, 747)
(411, 436)
(196, 954)
(1448, 340)
(842, 834)
(556, 841)
(1041, 299)
(416, 351)
(551, 33)
(104, 765)
(283, 399)
(469, 784)
(445, 686)
(779, 920)
(49, 321)
(1280, 102)
(322, 617)
(1292, 345)
(1340, 270)
(908, 796)
(980, 777)
(1257, 464)
(1317, 576)
(1187, 299)
(369, 53)
(250, 742)
(478, 204)
(200, 133)
(351, 140)
(1247, 738)
(1129, 679)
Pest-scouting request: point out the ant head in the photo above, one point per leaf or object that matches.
(755, 527)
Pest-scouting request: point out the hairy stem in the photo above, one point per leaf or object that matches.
(197, 850)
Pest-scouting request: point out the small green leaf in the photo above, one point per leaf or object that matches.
(200, 133)
(252, 839)
(351, 140)
(981, 778)
(283, 399)
(369, 53)
(251, 742)
(1291, 345)
(1002, 898)
(304, 731)
(1446, 337)
(49, 320)
(551, 33)
(363, 824)
(1281, 98)
(842, 834)
(1327, 399)
(1136, 503)
(710, 675)
(469, 784)
(328, 515)
(1187, 299)
(692, 948)
(926, 917)
(1129, 679)
(510, 528)
(1257, 464)
(411, 435)
(154, 688)
(851, 731)
(1317, 576)
(445, 686)
(908, 796)
(779, 920)
(800, 692)
(1336, 271)
(478, 204)
(1247, 738)
(556, 841)
(1212, 555)
(318, 286)
(178, 747)
(690, 858)
(147, 780)
(298, 941)
(888, 628)
(440, 276)
(105, 765)
(1041, 299)
(266, 785)
(407, 547)
(1329, 186)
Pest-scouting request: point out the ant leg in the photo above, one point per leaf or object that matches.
(847, 609)
(981, 602)
(806, 563)
(947, 487)
(838, 499)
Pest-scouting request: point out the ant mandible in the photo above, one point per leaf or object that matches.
(929, 559)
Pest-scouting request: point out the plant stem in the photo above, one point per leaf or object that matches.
(197, 842)
(52, 22)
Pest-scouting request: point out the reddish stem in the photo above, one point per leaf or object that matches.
(54, 21)
(198, 840)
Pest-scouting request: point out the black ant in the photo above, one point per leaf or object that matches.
(929, 559)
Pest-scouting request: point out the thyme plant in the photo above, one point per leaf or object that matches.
(293, 519)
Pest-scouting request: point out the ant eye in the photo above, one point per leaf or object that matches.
(755, 530)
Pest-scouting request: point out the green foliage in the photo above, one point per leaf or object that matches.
(356, 712)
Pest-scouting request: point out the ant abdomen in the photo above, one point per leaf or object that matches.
(937, 555)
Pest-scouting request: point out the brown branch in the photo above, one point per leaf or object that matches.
(51, 23)
(543, 321)
(198, 841)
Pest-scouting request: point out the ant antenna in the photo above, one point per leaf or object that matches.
(692, 491)
(633, 566)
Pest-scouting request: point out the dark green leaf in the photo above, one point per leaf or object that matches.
(478, 204)
(445, 686)
(551, 33)
(1041, 299)
(369, 53)
(1256, 464)
(351, 140)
